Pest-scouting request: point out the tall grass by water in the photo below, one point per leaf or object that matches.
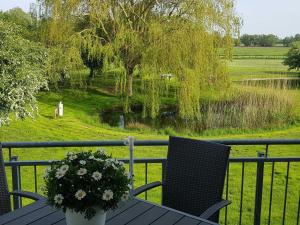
(249, 107)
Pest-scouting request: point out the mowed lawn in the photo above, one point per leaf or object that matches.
(81, 122)
(261, 51)
(248, 68)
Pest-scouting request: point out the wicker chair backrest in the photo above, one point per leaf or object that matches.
(194, 175)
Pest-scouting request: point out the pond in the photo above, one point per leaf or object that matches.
(113, 116)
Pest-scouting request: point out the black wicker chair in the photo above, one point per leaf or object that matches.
(5, 205)
(194, 177)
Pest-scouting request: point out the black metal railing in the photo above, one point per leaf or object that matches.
(262, 165)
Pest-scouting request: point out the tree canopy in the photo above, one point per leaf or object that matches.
(288, 41)
(22, 64)
(293, 57)
(155, 37)
(263, 40)
(22, 19)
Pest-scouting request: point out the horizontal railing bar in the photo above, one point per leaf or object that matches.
(61, 144)
(274, 159)
(160, 160)
(141, 143)
(45, 163)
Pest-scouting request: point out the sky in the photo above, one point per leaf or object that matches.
(279, 17)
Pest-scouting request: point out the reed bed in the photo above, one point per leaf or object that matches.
(249, 107)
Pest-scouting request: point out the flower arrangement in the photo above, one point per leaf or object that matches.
(85, 181)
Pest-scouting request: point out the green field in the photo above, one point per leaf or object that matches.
(81, 122)
(265, 51)
(259, 68)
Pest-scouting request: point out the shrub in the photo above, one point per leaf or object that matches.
(22, 73)
(293, 57)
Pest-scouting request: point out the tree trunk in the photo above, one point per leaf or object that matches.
(91, 76)
(129, 84)
(129, 72)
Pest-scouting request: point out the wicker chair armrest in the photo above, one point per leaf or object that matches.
(27, 194)
(146, 187)
(214, 208)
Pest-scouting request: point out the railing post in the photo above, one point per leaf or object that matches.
(163, 170)
(298, 214)
(16, 182)
(9, 154)
(131, 160)
(259, 189)
(267, 150)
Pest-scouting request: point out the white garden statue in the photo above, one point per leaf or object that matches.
(59, 110)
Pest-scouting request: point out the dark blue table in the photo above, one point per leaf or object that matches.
(134, 212)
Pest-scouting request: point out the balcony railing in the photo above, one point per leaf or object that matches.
(263, 189)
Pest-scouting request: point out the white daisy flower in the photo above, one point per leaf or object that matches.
(125, 196)
(91, 157)
(64, 168)
(107, 195)
(47, 171)
(98, 159)
(58, 199)
(60, 173)
(81, 171)
(82, 162)
(114, 166)
(101, 151)
(72, 157)
(108, 163)
(97, 176)
(80, 194)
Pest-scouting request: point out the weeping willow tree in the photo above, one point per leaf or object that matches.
(177, 37)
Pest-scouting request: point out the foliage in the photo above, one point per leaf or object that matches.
(287, 41)
(145, 35)
(85, 181)
(22, 19)
(95, 64)
(61, 64)
(22, 72)
(259, 40)
(293, 57)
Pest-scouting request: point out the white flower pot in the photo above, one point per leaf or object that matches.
(73, 218)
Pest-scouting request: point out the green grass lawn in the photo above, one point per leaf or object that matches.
(259, 68)
(81, 122)
(265, 51)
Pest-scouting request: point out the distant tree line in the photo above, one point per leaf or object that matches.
(262, 40)
(288, 41)
(266, 40)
